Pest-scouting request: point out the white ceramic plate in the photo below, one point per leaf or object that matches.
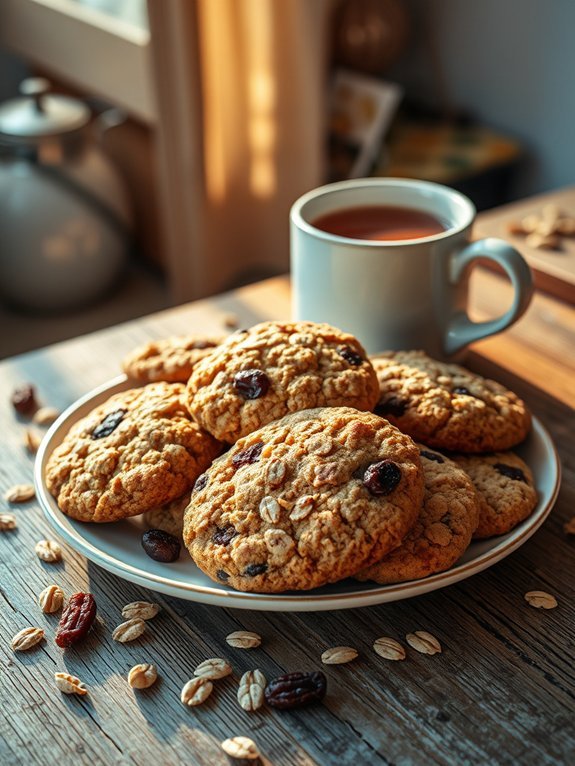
(117, 548)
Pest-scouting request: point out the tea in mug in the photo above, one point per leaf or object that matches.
(380, 222)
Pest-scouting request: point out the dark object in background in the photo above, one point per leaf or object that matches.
(368, 35)
(457, 152)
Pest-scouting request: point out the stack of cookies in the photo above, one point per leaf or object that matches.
(333, 465)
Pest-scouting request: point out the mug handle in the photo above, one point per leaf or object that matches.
(461, 330)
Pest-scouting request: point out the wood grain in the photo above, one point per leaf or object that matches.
(502, 691)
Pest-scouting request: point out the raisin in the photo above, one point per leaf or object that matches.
(76, 620)
(431, 455)
(247, 456)
(201, 482)
(463, 391)
(109, 424)
(224, 535)
(223, 576)
(382, 478)
(392, 406)
(255, 569)
(510, 471)
(24, 399)
(350, 355)
(161, 546)
(294, 690)
(251, 384)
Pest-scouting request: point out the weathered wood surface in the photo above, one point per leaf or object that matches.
(502, 691)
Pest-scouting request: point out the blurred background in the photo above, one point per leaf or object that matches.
(150, 151)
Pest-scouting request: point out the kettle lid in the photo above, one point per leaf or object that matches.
(38, 114)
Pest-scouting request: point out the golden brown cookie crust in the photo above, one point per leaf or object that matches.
(287, 507)
(443, 530)
(446, 406)
(138, 450)
(170, 359)
(169, 518)
(506, 491)
(303, 364)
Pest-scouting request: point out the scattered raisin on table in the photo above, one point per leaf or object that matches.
(76, 620)
(24, 399)
(294, 690)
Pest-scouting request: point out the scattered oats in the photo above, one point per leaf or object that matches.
(543, 241)
(241, 747)
(51, 599)
(196, 691)
(569, 527)
(143, 610)
(515, 227)
(129, 630)
(142, 676)
(550, 213)
(423, 642)
(338, 655)
(389, 648)
(270, 509)
(7, 522)
(244, 639)
(45, 416)
(213, 669)
(20, 493)
(49, 551)
(69, 684)
(540, 599)
(530, 223)
(32, 440)
(26, 639)
(566, 227)
(251, 690)
(231, 321)
(545, 229)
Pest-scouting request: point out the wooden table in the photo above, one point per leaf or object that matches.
(502, 691)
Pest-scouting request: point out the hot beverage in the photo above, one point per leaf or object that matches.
(380, 222)
(389, 260)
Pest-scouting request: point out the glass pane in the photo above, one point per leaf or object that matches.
(130, 11)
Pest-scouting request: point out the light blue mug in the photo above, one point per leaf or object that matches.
(397, 294)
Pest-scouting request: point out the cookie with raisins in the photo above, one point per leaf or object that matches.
(138, 450)
(259, 375)
(504, 484)
(305, 501)
(171, 359)
(442, 533)
(446, 406)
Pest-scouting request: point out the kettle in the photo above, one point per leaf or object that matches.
(65, 217)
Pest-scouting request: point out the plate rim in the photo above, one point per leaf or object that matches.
(302, 601)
